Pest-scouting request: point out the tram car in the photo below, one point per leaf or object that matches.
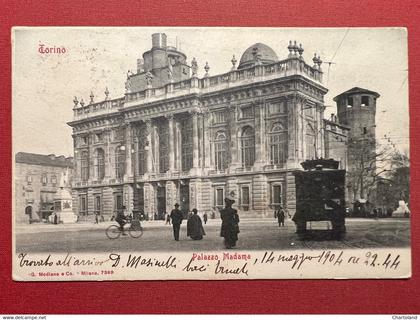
(320, 196)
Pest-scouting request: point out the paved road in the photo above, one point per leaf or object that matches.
(254, 235)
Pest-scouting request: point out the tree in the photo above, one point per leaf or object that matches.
(368, 163)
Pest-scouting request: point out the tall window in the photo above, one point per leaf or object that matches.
(276, 198)
(310, 142)
(245, 198)
(118, 202)
(278, 144)
(44, 179)
(186, 144)
(83, 204)
(163, 147)
(100, 164)
(248, 146)
(119, 163)
(219, 197)
(220, 152)
(84, 166)
(97, 207)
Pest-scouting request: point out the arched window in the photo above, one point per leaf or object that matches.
(84, 166)
(310, 142)
(248, 146)
(278, 144)
(100, 164)
(119, 162)
(220, 155)
(186, 144)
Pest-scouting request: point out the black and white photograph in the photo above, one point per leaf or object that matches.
(145, 153)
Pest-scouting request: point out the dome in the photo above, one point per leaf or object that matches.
(267, 55)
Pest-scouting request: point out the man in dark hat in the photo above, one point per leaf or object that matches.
(176, 216)
(230, 223)
(280, 216)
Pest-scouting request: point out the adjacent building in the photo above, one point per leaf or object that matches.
(37, 179)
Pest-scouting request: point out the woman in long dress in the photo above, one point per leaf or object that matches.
(195, 228)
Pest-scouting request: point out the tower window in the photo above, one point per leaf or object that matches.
(349, 102)
(365, 101)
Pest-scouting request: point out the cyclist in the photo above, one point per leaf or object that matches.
(122, 219)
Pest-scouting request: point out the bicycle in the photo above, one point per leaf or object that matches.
(135, 230)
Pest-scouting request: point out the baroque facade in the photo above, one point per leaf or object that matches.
(37, 179)
(175, 137)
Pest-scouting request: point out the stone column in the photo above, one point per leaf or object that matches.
(128, 197)
(149, 199)
(233, 139)
(149, 155)
(206, 140)
(177, 146)
(92, 160)
(109, 160)
(195, 139)
(128, 141)
(259, 136)
(195, 194)
(293, 120)
(170, 195)
(171, 155)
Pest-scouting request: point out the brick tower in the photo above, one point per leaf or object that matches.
(356, 109)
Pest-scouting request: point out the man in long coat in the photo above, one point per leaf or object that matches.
(230, 224)
(280, 216)
(176, 216)
(195, 228)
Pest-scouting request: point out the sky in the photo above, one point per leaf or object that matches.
(44, 85)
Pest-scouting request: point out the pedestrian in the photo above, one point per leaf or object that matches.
(195, 228)
(176, 216)
(205, 217)
(230, 223)
(280, 216)
(168, 219)
(96, 217)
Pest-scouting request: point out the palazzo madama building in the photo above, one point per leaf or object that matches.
(175, 137)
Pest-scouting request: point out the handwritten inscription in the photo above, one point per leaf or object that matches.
(223, 264)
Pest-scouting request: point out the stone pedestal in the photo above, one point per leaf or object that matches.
(63, 207)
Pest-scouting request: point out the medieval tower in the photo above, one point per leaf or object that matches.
(356, 109)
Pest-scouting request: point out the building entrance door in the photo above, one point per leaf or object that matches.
(28, 212)
(161, 203)
(184, 191)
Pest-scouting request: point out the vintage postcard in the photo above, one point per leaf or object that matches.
(210, 153)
